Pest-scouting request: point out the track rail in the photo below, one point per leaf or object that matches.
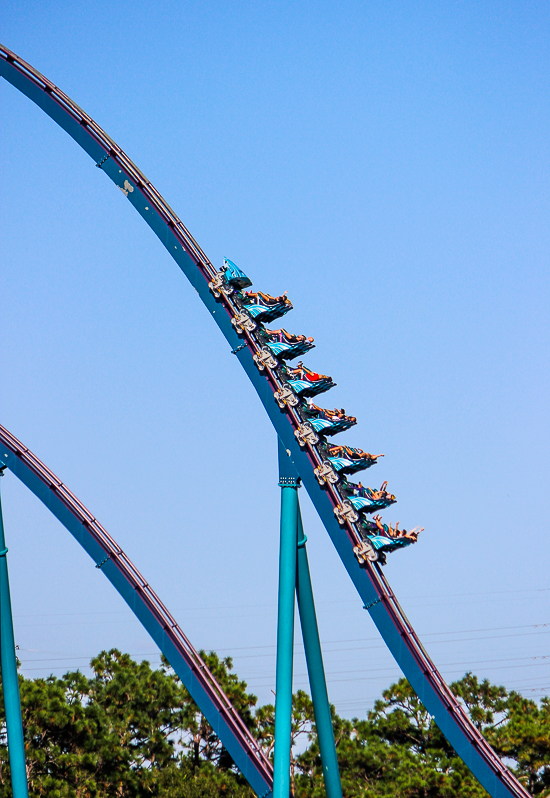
(117, 566)
(370, 582)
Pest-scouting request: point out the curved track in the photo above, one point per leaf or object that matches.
(370, 582)
(146, 605)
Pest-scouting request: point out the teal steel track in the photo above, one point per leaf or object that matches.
(371, 584)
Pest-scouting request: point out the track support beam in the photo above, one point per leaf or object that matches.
(294, 576)
(289, 483)
(315, 668)
(10, 679)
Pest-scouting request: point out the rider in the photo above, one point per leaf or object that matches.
(351, 453)
(374, 495)
(395, 532)
(285, 337)
(330, 415)
(301, 372)
(258, 298)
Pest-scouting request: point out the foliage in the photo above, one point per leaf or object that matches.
(396, 751)
(130, 731)
(127, 731)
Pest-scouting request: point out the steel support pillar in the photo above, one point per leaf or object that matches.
(10, 680)
(315, 668)
(294, 577)
(289, 483)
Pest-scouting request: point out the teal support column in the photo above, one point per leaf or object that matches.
(289, 483)
(10, 680)
(316, 671)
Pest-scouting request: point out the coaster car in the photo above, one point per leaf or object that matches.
(347, 460)
(282, 344)
(234, 276)
(327, 422)
(367, 500)
(361, 500)
(373, 548)
(285, 345)
(305, 382)
(264, 307)
(381, 538)
(229, 279)
(343, 460)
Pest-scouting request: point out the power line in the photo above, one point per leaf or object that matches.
(299, 646)
(273, 604)
(540, 659)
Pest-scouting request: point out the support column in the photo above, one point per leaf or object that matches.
(285, 626)
(10, 680)
(316, 671)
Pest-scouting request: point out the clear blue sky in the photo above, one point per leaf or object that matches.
(387, 165)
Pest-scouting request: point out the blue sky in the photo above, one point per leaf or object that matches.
(387, 165)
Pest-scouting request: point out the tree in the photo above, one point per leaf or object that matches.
(131, 731)
(198, 737)
(302, 727)
(398, 751)
(524, 738)
(127, 731)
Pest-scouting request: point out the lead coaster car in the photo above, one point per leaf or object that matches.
(229, 279)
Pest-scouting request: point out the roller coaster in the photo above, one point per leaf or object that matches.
(305, 457)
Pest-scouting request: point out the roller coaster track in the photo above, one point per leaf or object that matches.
(368, 579)
(148, 607)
